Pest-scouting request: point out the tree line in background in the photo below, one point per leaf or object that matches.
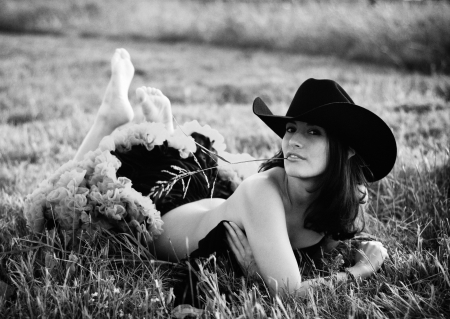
(412, 35)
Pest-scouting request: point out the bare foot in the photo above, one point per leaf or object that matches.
(116, 109)
(155, 106)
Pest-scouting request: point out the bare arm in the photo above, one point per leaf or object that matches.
(368, 259)
(265, 225)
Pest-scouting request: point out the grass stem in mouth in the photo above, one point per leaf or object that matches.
(223, 159)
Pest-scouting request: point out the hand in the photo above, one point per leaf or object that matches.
(370, 256)
(239, 245)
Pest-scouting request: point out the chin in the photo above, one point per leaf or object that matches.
(300, 176)
(293, 171)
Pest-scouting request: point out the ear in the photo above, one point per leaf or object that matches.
(351, 152)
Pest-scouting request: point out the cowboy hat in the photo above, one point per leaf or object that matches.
(326, 104)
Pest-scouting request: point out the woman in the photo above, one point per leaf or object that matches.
(311, 190)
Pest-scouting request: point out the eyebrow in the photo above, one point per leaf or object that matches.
(307, 124)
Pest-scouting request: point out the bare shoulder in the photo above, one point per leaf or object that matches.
(262, 184)
(260, 194)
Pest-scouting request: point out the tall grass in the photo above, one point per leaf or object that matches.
(113, 276)
(50, 79)
(403, 34)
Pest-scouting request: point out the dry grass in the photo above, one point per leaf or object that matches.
(49, 90)
(408, 35)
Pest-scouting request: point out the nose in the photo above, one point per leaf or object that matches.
(295, 141)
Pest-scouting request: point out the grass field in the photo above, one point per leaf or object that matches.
(50, 88)
(411, 35)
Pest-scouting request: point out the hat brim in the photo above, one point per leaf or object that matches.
(356, 126)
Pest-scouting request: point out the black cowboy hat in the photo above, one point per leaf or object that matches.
(326, 104)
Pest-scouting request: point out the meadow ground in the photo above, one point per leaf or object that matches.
(49, 91)
(410, 35)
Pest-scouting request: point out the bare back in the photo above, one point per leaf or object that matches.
(186, 225)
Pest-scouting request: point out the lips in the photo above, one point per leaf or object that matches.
(294, 156)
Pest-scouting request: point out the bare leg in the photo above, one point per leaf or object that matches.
(115, 109)
(155, 106)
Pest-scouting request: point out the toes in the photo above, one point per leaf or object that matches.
(124, 54)
(151, 91)
(156, 92)
(116, 57)
(119, 54)
(141, 93)
(144, 92)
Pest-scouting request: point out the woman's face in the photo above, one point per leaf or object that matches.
(306, 149)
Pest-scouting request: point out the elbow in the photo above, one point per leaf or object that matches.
(285, 289)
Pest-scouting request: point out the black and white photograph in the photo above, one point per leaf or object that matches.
(224, 159)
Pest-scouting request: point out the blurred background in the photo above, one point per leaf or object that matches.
(212, 58)
(413, 35)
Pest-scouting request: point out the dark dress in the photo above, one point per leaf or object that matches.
(152, 173)
(186, 289)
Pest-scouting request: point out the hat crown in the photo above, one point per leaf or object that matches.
(316, 93)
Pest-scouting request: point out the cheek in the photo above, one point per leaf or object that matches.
(284, 143)
(322, 153)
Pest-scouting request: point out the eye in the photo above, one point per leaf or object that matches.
(290, 129)
(315, 131)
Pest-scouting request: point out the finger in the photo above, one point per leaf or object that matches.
(242, 238)
(234, 238)
(239, 258)
(362, 244)
(234, 249)
(238, 231)
(378, 244)
(362, 255)
(385, 253)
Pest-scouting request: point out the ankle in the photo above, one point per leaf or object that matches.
(104, 125)
(110, 119)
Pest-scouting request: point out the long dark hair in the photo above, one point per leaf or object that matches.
(337, 204)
